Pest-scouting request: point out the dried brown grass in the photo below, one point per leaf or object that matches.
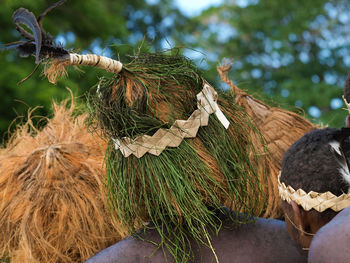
(279, 128)
(53, 205)
(55, 69)
(244, 132)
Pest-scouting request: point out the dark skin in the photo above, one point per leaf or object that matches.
(331, 243)
(347, 121)
(266, 240)
(303, 225)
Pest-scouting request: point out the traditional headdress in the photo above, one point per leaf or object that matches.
(149, 106)
(145, 110)
(326, 200)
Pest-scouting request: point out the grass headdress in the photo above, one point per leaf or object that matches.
(162, 97)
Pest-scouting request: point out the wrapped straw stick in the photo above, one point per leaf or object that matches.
(56, 67)
(93, 60)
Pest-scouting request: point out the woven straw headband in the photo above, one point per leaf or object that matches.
(313, 200)
(206, 103)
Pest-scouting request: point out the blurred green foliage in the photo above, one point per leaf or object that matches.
(294, 53)
(114, 27)
(290, 53)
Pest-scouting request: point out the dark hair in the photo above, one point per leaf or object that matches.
(312, 164)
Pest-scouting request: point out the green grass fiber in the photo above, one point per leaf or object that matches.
(177, 191)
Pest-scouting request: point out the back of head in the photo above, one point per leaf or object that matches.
(313, 163)
(314, 182)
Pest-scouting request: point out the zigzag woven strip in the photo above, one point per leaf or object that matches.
(313, 200)
(179, 130)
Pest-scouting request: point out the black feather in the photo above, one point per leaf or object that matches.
(342, 137)
(38, 42)
(13, 45)
(23, 16)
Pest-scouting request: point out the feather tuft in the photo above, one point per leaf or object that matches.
(23, 16)
(37, 42)
(341, 159)
(336, 146)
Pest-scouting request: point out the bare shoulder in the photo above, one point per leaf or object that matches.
(133, 250)
(264, 240)
(331, 242)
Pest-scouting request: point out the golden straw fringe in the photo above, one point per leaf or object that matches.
(55, 69)
(53, 196)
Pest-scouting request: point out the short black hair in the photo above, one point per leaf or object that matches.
(311, 164)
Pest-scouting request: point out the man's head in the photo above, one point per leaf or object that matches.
(313, 163)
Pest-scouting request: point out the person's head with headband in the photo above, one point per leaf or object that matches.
(314, 182)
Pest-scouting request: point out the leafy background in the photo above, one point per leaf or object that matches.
(292, 54)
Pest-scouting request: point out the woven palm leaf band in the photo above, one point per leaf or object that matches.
(313, 200)
(206, 103)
